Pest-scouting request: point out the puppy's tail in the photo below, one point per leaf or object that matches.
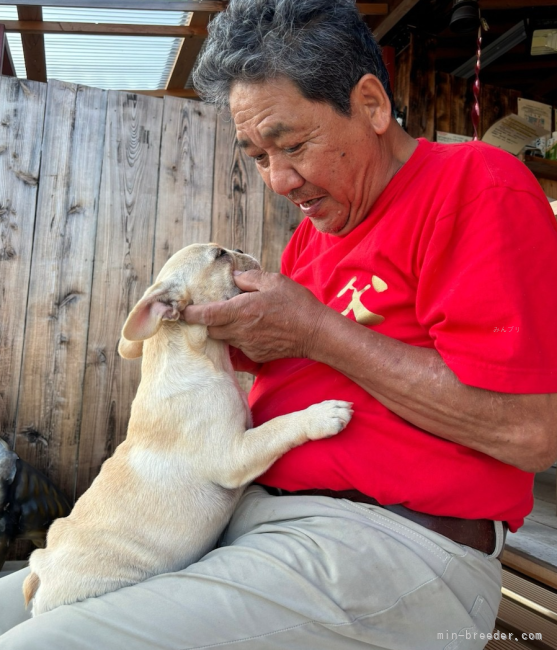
(30, 586)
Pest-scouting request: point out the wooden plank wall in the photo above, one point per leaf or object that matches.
(97, 190)
(437, 101)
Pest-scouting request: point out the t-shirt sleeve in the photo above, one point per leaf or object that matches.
(487, 292)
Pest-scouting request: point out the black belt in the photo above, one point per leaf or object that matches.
(477, 533)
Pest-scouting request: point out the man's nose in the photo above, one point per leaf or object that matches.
(282, 178)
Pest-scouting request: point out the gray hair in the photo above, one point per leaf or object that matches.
(322, 46)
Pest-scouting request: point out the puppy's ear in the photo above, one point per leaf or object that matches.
(146, 317)
(130, 349)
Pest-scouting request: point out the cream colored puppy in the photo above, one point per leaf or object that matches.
(162, 500)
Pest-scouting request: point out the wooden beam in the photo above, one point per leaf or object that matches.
(208, 6)
(33, 45)
(184, 93)
(186, 57)
(148, 5)
(101, 29)
(373, 9)
(397, 13)
(529, 566)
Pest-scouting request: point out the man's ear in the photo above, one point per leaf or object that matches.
(369, 95)
(158, 303)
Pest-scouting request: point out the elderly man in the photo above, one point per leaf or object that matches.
(420, 288)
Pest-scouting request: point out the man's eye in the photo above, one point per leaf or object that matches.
(293, 149)
(260, 158)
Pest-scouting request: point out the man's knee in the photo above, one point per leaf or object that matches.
(12, 608)
(31, 634)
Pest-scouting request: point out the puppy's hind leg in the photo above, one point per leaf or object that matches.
(255, 450)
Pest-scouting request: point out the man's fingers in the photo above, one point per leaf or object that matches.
(248, 280)
(215, 314)
(211, 313)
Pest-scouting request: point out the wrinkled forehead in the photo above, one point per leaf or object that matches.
(267, 110)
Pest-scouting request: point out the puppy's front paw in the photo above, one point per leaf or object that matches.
(328, 418)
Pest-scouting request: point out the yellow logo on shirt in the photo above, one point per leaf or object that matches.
(361, 313)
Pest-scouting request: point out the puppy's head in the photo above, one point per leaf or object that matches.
(198, 273)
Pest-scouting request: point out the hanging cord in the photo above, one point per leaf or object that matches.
(476, 86)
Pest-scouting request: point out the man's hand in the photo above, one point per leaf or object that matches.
(278, 318)
(275, 318)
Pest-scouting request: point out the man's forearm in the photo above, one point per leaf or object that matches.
(416, 384)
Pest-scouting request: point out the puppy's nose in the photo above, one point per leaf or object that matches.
(237, 250)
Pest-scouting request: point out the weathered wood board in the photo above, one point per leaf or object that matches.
(50, 402)
(185, 198)
(123, 270)
(238, 195)
(97, 190)
(22, 106)
(453, 105)
(280, 220)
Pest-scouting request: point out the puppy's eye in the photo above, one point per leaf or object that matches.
(220, 252)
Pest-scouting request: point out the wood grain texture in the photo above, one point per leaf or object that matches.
(397, 11)
(60, 288)
(453, 104)
(186, 177)
(238, 196)
(496, 103)
(38, 27)
(401, 90)
(421, 105)
(549, 187)
(188, 53)
(123, 270)
(280, 219)
(22, 106)
(33, 45)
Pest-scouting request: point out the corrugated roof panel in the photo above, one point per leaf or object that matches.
(117, 16)
(9, 12)
(16, 50)
(123, 62)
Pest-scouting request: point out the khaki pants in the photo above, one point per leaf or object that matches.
(292, 572)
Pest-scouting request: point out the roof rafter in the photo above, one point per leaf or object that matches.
(397, 12)
(373, 8)
(205, 6)
(101, 29)
(147, 5)
(33, 45)
(187, 93)
(187, 55)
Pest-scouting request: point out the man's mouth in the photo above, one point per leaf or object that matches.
(312, 206)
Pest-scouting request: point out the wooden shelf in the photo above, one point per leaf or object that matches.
(542, 168)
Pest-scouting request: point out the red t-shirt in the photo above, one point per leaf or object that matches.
(459, 254)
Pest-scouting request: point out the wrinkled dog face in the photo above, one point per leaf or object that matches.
(204, 272)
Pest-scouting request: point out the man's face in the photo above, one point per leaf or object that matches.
(324, 162)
